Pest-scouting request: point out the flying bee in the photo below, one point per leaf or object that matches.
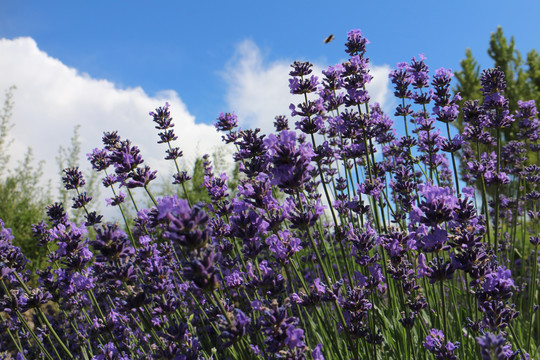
(329, 39)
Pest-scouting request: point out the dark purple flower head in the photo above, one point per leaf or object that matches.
(81, 200)
(498, 284)
(317, 352)
(447, 113)
(162, 117)
(445, 107)
(112, 244)
(166, 136)
(40, 232)
(535, 240)
(497, 315)
(73, 178)
(356, 43)
(181, 178)
(173, 153)
(291, 163)
(116, 200)
(436, 270)
(332, 78)
(397, 244)
(281, 123)
(437, 207)
(280, 330)
(226, 122)
(12, 256)
(187, 226)
(373, 188)
(493, 81)
(301, 86)
(235, 279)
(99, 159)
(301, 68)
(125, 157)
(452, 145)
(93, 218)
(252, 152)
(203, 272)
(419, 72)
(401, 79)
(527, 109)
(57, 214)
(494, 347)
(283, 244)
(216, 187)
(111, 140)
(140, 177)
(435, 344)
(528, 122)
(310, 125)
(110, 352)
(295, 337)
(442, 78)
(72, 245)
(304, 215)
(232, 332)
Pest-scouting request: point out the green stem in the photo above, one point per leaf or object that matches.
(456, 175)
(497, 186)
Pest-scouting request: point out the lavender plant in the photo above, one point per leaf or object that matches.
(343, 240)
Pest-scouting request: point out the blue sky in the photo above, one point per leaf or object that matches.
(185, 45)
(104, 65)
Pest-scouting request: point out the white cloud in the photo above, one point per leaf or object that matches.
(257, 91)
(52, 98)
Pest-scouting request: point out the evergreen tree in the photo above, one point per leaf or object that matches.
(522, 78)
(522, 83)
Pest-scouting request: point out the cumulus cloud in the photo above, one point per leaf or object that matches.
(258, 91)
(52, 98)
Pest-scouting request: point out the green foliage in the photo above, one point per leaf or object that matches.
(22, 198)
(522, 83)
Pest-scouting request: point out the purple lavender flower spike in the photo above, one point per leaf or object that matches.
(73, 178)
(435, 344)
(116, 200)
(57, 214)
(203, 272)
(140, 177)
(226, 122)
(187, 226)
(494, 347)
(291, 164)
(125, 157)
(356, 42)
(317, 352)
(402, 79)
(12, 256)
(99, 159)
(81, 200)
(162, 117)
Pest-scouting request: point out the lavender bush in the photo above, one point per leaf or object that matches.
(344, 240)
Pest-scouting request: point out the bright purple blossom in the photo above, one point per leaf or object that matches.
(291, 162)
